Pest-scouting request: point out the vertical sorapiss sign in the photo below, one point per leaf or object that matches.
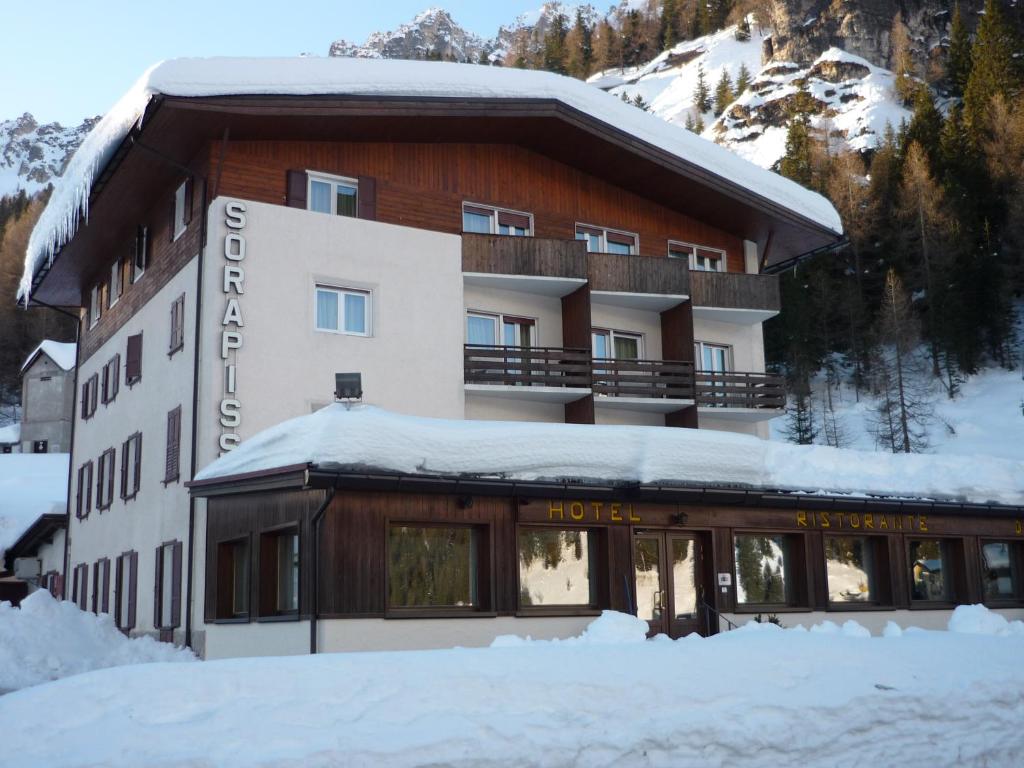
(233, 285)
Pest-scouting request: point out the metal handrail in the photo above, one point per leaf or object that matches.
(708, 610)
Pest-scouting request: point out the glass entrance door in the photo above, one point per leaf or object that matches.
(668, 582)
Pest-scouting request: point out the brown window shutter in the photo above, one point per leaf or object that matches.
(188, 200)
(133, 583)
(514, 220)
(88, 489)
(78, 492)
(138, 463)
(367, 197)
(174, 325)
(124, 470)
(118, 597)
(106, 586)
(106, 383)
(176, 585)
(95, 597)
(296, 183)
(85, 401)
(171, 464)
(83, 601)
(133, 359)
(115, 375)
(158, 591)
(94, 394)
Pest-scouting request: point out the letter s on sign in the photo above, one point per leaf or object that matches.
(230, 411)
(234, 214)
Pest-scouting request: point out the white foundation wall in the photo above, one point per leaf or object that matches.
(874, 621)
(545, 310)
(410, 363)
(626, 416)
(706, 420)
(158, 513)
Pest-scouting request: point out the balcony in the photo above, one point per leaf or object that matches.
(638, 282)
(556, 375)
(533, 264)
(733, 297)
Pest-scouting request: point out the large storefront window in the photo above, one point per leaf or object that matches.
(556, 568)
(850, 569)
(433, 567)
(763, 570)
(999, 570)
(929, 571)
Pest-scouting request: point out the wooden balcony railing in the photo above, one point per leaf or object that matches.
(733, 290)
(734, 389)
(643, 378)
(638, 274)
(529, 366)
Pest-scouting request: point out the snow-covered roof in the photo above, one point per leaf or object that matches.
(31, 484)
(367, 437)
(10, 434)
(387, 78)
(62, 353)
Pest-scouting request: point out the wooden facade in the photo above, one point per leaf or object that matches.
(353, 572)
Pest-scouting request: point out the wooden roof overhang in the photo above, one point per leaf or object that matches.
(311, 476)
(179, 127)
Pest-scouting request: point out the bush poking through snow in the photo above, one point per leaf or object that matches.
(45, 639)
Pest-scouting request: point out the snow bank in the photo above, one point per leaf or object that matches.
(979, 620)
(761, 697)
(62, 353)
(610, 628)
(368, 77)
(45, 640)
(31, 484)
(367, 437)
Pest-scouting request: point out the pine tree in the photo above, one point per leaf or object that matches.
(993, 69)
(723, 93)
(959, 66)
(702, 95)
(902, 60)
(925, 126)
(641, 103)
(690, 125)
(608, 47)
(743, 30)
(701, 20)
(698, 127)
(796, 163)
(554, 45)
(800, 428)
(670, 32)
(579, 45)
(743, 80)
(634, 42)
(904, 411)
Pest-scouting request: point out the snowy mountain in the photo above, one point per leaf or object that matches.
(854, 99)
(31, 155)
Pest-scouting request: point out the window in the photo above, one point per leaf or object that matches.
(716, 358)
(105, 479)
(172, 457)
(1000, 563)
(182, 212)
(483, 329)
(601, 240)
(83, 495)
(279, 572)
(177, 340)
(557, 568)
(233, 579)
(111, 379)
(101, 586)
(619, 345)
(167, 590)
(765, 569)
(496, 221)
(40, 446)
(140, 253)
(116, 283)
(850, 568)
(133, 360)
(95, 308)
(80, 587)
(333, 194)
(131, 466)
(125, 587)
(90, 395)
(930, 571)
(434, 567)
(699, 257)
(341, 310)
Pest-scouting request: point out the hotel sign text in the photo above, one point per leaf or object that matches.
(592, 512)
(231, 324)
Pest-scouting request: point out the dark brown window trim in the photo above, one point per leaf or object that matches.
(241, 618)
(595, 538)
(276, 617)
(177, 339)
(134, 442)
(438, 613)
(172, 457)
(555, 610)
(105, 464)
(772, 608)
(295, 528)
(800, 567)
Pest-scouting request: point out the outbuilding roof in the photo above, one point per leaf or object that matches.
(362, 78)
(368, 439)
(62, 353)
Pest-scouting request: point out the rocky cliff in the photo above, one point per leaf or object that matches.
(31, 155)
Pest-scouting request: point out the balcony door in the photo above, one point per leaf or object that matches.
(616, 344)
(668, 581)
(712, 357)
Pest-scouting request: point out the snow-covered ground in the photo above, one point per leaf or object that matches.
(31, 484)
(45, 640)
(758, 696)
(986, 418)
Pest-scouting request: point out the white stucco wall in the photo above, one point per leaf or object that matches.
(747, 342)
(490, 408)
(610, 317)
(158, 513)
(546, 311)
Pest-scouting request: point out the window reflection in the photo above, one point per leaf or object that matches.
(850, 569)
(555, 567)
(999, 575)
(762, 570)
(929, 579)
(431, 567)
(684, 578)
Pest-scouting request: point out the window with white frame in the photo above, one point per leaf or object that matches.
(715, 358)
(601, 240)
(181, 209)
(491, 330)
(700, 258)
(116, 273)
(336, 195)
(94, 305)
(342, 310)
(140, 255)
(618, 345)
(486, 220)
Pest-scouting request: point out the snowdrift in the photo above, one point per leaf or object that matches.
(759, 696)
(44, 640)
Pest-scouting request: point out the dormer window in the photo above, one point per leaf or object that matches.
(336, 195)
(485, 220)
